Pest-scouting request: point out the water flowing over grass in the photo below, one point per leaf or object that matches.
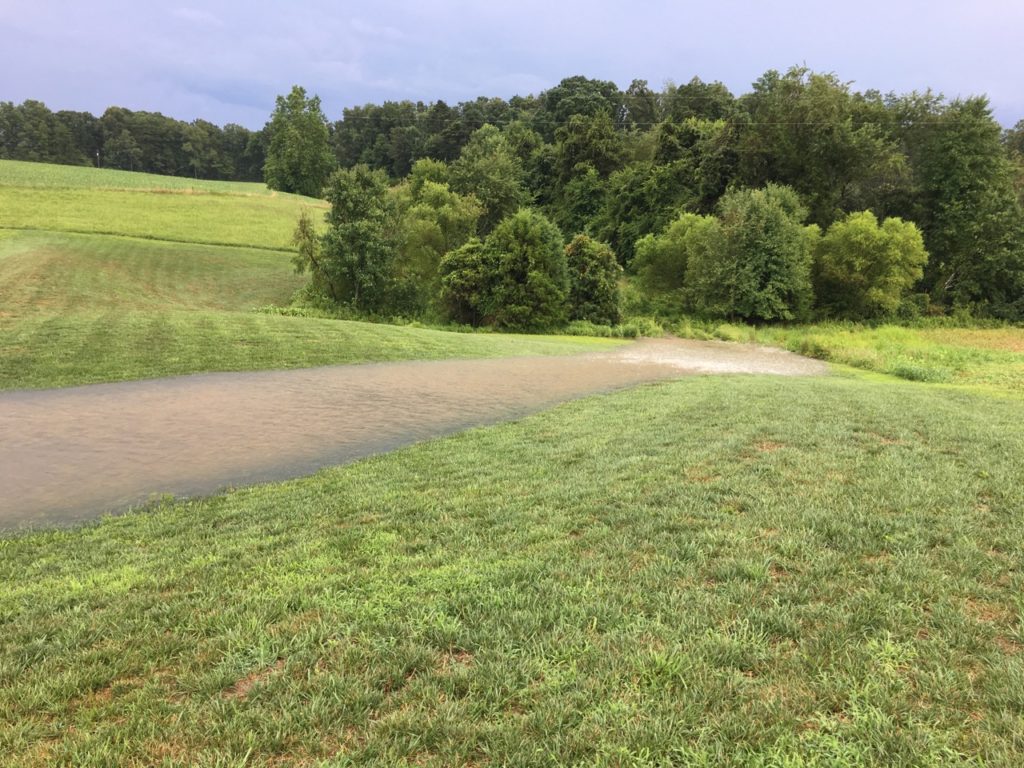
(720, 571)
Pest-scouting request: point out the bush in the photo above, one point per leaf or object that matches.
(864, 269)
(755, 262)
(530, 279)
(593, 281)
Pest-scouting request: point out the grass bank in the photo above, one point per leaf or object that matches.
(991, 359)
(79, 309)
(38, 196)
(721, 571)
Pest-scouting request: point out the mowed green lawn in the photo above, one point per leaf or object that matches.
(88, 200)
(79, 309)
(16, 173)
(720, 571)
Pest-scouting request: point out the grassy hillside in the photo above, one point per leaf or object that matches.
(14, 173)
(722, 571)
(86, 200)
(77, 309)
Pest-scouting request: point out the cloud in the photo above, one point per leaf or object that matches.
(197, 17)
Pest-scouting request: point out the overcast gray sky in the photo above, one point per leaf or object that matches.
(225, 60)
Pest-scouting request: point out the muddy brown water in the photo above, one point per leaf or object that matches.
(68, 455)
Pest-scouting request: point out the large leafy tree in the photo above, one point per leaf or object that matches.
(968, 210)
(531, 281)
(807, 130)
(491, 172)
(299, 157)
(516, 279)
(434, 222)
(352, 262)
(466, 276)
(863, 269)
(756, 264)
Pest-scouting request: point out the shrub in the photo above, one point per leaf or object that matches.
(864, 269)
(593, 281)
(530, 279)
(755, 262)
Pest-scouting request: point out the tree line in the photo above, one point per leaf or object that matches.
(803, 197)
(131, 141)
(688, 187)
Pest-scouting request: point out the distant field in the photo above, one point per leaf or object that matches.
(991, 359)
(78, 309)
(65, 198)
(14, 173)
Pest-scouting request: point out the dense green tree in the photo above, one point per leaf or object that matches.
(490, 171)
(434, 222)
(641, 106)
(697, 99)
(1014, 142)
(580, 201)
(122, 151)
(661, 260)
(577, 96)
(593, 281)
(467, 274)
(641, 199)
(590, 140)
(863, 269)
(969, 212)
(758, 266)
(353, 261)
(424, 170)
(531, 282)
(299, 157)
(804, 129)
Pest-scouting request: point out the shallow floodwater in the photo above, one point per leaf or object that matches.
(71, 454)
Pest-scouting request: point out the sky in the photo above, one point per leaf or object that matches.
(226, 60)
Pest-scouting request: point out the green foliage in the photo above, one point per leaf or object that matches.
(661, 260)
(641, 199)
(576, 96)
(808, 131)
(970, 215)
(580, 200)
(353, 260)
(467, 274)
(299, 157)
(593, 281)
(590, 140)
(435, 221)
(489, 170)
(756, 265)
(863, 270)
(531, 282)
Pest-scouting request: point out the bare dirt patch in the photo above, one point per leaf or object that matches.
(243, 687)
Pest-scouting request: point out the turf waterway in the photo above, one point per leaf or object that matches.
(68, 455)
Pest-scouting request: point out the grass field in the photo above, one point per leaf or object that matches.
(722, 571)
(111, 275)
(991, 359)
(87, 200)
(14, 173)
(78, 309)
(737, 571)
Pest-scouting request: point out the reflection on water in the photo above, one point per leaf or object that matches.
(72, 454)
